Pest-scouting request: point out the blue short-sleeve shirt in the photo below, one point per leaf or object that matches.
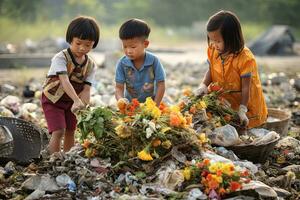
(140, 83)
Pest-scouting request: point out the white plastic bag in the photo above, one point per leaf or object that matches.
(225, 136)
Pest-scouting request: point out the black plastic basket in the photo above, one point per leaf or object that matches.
(28, 140)
(6, 142)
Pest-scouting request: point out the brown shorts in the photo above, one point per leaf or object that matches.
(58, 115)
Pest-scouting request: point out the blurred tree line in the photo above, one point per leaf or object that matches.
(160, 12)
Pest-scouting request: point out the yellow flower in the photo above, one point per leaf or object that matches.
(123, 131)
(187, 173)
(166, 144)
(201, 105)
(150, 108)
(150, 103)
(228, 168)
(145, 155)
(214, 167)
(182, 121)
(165, 129)
(219, 179)
(155, 112)
(175, 108)
(202, 138)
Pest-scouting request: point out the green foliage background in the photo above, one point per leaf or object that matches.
(52, 16)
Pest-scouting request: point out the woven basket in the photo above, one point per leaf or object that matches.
(28, 140)
(281, 126)
(254, 153)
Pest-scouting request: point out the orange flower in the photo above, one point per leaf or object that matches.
(209, 177)
(135, 103)
(156, 142)
(122, 104)
(206, 162)
(213, 184)
(162, 106)
(222, 191)
(131, 108)
(174, 120)
(130, 113)
(235, 186)
(219, 172)
(86, 143)
(209, 115)
(193, 109)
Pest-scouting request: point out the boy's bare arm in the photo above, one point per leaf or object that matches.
(85, 94)
(68, 88)
(161, 87)
(119, 93)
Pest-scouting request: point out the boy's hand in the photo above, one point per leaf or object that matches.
(201, 90)
(77, 105)
(242, 115)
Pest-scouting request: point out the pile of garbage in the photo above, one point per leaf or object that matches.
(174, 156)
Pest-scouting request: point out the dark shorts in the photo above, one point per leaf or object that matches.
(58, 115)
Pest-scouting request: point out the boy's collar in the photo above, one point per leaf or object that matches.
(149, 60)
(74, 60)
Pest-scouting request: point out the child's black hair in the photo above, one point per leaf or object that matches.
(85, 28)
(230, 29)
(134, 28)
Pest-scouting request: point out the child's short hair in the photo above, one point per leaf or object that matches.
(85, 28)
(134, 28)
(230, 29)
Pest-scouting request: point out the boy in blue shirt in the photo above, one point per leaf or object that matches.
(139, 74)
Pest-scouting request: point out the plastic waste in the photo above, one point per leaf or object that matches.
(71, 186)
(195, 194)
(226, 153)
(213, 157)
(225, 136)
(62, 180)
(269, 137)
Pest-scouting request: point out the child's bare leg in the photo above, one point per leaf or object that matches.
(69, 140)
(55, 141)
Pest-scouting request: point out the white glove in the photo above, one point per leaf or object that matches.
(201, 90)
(242, 115)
